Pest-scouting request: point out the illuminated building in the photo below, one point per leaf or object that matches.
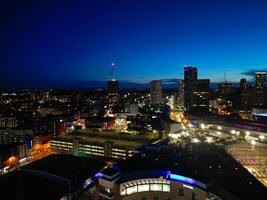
(113, 92)
(246, 95)
(180, 97)
(8, 122)
(196, 91)
(243, 83)
(149, 185)
(190, 76)
(156, 92)
(200, 97)
(260, 88)
(226, 91)
(97, 144)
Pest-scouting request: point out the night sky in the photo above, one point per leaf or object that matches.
(72, 43)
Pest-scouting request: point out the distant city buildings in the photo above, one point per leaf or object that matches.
(156, 92)
(196, 91)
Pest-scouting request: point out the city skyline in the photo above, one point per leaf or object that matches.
(72, 45)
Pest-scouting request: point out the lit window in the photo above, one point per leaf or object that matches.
(131, 190)
(166, 188)
(156, 187)
(143, 188)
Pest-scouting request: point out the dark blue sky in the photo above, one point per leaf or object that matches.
(70, 42)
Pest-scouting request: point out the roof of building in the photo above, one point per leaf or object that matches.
(119, 140)
(75, 169)
(31, 185)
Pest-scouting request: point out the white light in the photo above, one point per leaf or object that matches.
(202, 126)
(195, 140)
(209, 139)
(219, 128)
(262, 137)
(233, 131)
(219, 133)
(247, 133)
(187, 186)
(253, 142)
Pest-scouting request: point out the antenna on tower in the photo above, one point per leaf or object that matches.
(225, 77)
(112, 70)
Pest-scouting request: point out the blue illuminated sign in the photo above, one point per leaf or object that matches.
(184, 179)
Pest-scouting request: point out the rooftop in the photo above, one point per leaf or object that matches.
(119, 139)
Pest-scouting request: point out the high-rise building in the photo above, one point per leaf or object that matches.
(180, 97)
(226, 91)
(190, 76)
(196, 91)
(260, 88)
(113, 92)
(200, 97)
(156, 93)
(243, 83)
(246, 95)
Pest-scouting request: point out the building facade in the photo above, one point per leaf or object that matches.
(113, 92)
(156, 93)
(260, 88)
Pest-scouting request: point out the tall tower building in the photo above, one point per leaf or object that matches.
(196, 91)
(190, 76)
(180, 97)
(201, 96)
(243, 83)
(156, 93)
(113, 89)
(113, 92)
(260, 87)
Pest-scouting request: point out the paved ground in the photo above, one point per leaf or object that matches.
(253, 158)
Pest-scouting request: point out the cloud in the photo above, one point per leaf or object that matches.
(253, 71)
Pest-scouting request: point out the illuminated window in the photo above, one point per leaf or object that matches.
(166, 188)
(131, 190)
(156, 187)
(143, 188)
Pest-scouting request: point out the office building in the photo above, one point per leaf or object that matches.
(113, 92)
(156, 93)
(260, 88)
(180, 96)
(246, 95)
(226, 90)
(243, 83)
(200, 97)
(196, 91)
